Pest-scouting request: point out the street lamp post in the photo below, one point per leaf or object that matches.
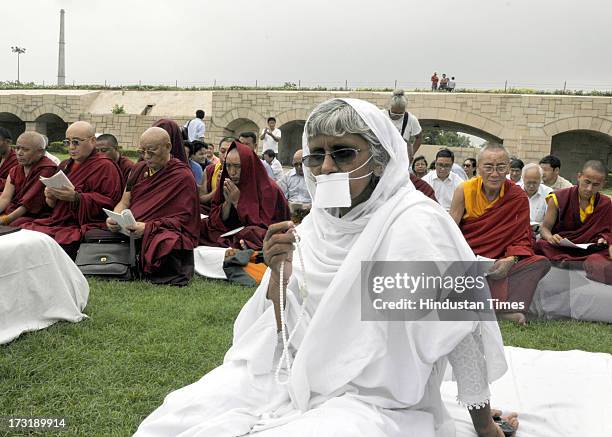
(19, 51)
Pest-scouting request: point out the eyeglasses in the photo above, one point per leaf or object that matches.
(467, 165)
(341, 157)
(75, 141)
(499, 168)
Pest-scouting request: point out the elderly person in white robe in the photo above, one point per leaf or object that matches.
(302, 362)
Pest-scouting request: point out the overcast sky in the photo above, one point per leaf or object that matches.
(533, 43)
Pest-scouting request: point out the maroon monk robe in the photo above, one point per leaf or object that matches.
(9, 162)
(98, 181)
(167, 202)
(261, 203)
(30, 191)
(423, 187)
(568, 225)
(503, 231)
(125, 165)
(173, 129)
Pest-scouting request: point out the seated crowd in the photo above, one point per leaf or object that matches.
(183, 196)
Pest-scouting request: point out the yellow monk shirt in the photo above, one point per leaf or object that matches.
(215, 176)
(476, 203)
(584, 213)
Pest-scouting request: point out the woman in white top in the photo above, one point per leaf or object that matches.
(339, 375)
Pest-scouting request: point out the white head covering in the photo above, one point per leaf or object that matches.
(336, 351)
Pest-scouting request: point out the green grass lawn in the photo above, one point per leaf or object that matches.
(107, 373)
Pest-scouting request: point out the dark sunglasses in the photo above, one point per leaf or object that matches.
(341, 157)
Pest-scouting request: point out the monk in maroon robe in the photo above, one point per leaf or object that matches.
(97, 184)
(580, 214)
(493, 214)
(423, 186)
(107, 144)
(247, 197)
(174, 131)
(162, 194)
(23, 198)
(8, 159)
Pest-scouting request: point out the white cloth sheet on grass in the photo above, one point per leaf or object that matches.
(557, 394)
(564, 294)
(39, 284)
(208, 261)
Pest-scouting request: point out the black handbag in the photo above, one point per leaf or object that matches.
(105, 254)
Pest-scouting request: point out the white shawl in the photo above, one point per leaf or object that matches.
(385, 363)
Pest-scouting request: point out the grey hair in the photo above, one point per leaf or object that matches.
(337, 118)
(398, 99)
(490, 146)
(529, 167)
(35, 137)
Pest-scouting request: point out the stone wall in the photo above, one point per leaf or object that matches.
(525, 123)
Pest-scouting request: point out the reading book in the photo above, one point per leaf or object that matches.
(124, 219)
(567, 243)
(58, 180)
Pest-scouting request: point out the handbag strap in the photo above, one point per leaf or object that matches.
(132, 250)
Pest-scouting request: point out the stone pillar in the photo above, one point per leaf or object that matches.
(37, 126)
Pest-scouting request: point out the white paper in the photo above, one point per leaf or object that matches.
(567, 243)
(203, 216)
(124, 219)
(233, 231)
(58, 180)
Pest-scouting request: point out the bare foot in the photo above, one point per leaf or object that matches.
(514, 317)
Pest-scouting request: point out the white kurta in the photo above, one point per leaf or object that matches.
(348, 377)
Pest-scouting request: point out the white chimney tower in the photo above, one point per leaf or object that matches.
(61, 64)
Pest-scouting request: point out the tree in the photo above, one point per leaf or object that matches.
(441, 137)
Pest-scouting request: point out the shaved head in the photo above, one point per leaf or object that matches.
(30, 148)
(81, 137)
(155, 136)
(595, 165)
(155, 146)
(32, 139)
(81, 129)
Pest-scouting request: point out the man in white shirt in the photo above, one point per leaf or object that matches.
(196, 127)
(275, 165)
(536, 192)
(406, 123)
(443, 180)
(270, 136)
(293, 183)
(516, 170)
(551, 165)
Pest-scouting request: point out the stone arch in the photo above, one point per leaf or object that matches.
(234, 127)
(239, 113)
(291, 140)
(292, 115)
(470, 123)
(13, 123)
(51, 125)
(595, 124)
(51, 109)
(13, 109)
(575, 147)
